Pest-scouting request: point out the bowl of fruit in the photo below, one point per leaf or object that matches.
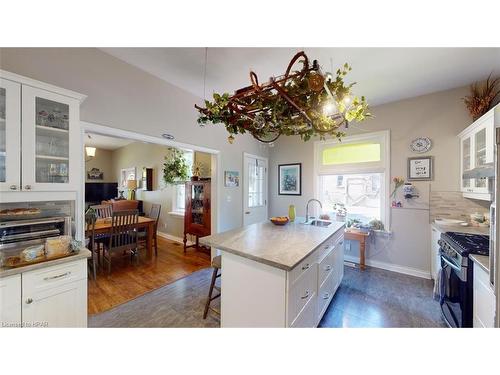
(279, 220)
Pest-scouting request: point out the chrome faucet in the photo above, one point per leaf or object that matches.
(307, 207)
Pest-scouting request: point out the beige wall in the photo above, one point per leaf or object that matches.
(125, 97)
(101, 160)
(440, 116)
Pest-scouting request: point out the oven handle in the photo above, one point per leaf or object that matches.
(452, 265)
(30, 234)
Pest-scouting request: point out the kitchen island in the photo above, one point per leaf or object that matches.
(278, 276)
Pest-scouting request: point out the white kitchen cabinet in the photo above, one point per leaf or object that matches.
(260, 295)
(52, 296)
(44, 119)
(477, 149)
(483, 299)
(55, 296)
(10, 135)
(10, 301)
(435, 257)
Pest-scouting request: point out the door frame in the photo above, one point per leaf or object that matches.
(216, 173)
(245, 154)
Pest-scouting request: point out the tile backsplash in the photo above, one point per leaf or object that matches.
(452, 205)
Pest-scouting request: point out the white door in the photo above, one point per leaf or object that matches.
(254, 189)
(51, 141)
(10, 135)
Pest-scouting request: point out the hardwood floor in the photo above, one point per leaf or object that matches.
(128, 281)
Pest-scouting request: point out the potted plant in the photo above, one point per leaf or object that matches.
(175, 168)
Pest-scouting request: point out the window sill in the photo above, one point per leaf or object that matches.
(178, 214)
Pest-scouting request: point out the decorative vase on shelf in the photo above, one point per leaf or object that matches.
(291, 212)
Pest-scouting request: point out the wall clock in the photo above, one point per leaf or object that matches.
(421, 144)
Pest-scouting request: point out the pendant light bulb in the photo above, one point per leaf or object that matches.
(330, 108)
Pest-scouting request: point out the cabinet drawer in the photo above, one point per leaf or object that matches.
(300, 292)
(325, 294)
(302, 267)
(326, 266)
(307, 317)
(54, 276)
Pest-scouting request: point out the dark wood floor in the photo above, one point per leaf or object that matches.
(129, 280)
(374, 298)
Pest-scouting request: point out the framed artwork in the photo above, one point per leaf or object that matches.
(127, 174)
(231, 178)
(290, 179)
(420, 168)
(95, 174)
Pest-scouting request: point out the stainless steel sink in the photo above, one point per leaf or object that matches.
(320, 223)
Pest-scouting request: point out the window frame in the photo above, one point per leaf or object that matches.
(383, 166)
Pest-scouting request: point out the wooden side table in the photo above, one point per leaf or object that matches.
(361, 238)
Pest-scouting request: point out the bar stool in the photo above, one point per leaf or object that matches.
(216, 265)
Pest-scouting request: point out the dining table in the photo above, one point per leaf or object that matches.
(103, 226)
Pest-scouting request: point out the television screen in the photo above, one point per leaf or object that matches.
(95, 192)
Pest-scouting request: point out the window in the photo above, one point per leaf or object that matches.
(179, 198)
(355, 173)
(256, 178)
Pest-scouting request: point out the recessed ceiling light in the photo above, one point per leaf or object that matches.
(168, 136)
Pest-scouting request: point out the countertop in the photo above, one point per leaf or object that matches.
(460, 229)
(278, 246)
(82, 254)
(482, 260)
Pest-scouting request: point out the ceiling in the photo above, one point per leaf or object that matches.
(104, 142)
(383, 74)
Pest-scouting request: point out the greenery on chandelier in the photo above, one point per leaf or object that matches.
(322, 104)
(175, 168)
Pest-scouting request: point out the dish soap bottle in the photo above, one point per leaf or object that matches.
(291, 212)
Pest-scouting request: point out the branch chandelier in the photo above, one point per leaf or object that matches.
(306, 102)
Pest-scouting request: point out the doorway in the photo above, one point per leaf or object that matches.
(113, 152)
(254, 189)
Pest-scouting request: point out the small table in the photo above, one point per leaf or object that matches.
(361, 238)
(103, 226)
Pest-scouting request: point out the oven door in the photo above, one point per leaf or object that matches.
(454, 293)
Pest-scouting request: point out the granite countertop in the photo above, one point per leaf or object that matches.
(482, 260)
(461, 229)
(82, 254)
(278, 246)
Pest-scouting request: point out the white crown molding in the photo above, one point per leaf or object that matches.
(41, 85)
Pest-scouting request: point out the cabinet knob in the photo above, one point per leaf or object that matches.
(306, 266)
(27, 187)
(29, 300)
(306, 295)
(13, 187)
(328, 268)
(326, 296)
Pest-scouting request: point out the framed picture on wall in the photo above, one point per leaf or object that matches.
(420, 168)
(231, 178)
(290, 179)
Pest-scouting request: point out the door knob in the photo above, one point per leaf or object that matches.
(27, 187)
(29, 300)
(13, 187)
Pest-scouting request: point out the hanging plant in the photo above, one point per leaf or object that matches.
(175, 168)
(305, 102)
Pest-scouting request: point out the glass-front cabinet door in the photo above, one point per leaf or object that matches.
(10, 135)
(480, 156)
(466, 162)
(50, 141)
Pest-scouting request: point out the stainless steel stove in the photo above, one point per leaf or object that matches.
(456, 282)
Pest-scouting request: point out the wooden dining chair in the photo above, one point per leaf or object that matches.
(154, 213)
(90, 220)
(103, 210)
(123, 235)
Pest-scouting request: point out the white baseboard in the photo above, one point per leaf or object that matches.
(391, 267)
(172, 238)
